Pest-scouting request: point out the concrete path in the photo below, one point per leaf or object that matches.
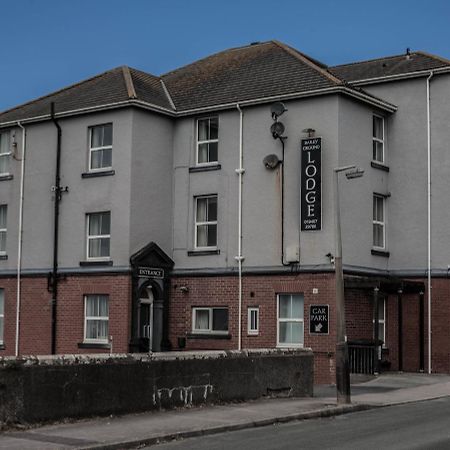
(132, 431)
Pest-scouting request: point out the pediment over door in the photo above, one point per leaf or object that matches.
(151, 256)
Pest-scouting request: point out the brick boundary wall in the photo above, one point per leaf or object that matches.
(46, 389)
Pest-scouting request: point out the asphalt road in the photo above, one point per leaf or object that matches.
(422, 425)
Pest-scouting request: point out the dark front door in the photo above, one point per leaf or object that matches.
(146, 326)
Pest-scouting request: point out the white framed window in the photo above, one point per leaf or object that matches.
(98, 235)
(96, 318)
(2, 314)
(379, 222)
(381, 320)
(253, 320)
(290, 327)
(378, 139)
(5, 153)
(206, 222)
(207, 140)
(210, 320)
(3, 228)
(100, 147)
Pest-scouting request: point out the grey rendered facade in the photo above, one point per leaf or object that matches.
(155, 180)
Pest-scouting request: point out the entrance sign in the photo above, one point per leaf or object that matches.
(311, 184)
(150, 272)
(319, 316)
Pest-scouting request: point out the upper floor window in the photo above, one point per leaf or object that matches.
(3, 214)
(210, 320)
(290, 320)
(2, 314)
(96, 318)
(207, 140)
(98, 235)
(100, 147)
(378, 139)
(206, 222)
(379, 222)
(5, 153)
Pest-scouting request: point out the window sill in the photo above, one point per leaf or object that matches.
(6, 177)
(3, 257)
(208, 336)
(96, 263)
(376, 252)
(94, 345)
(100, 173)
(203, 252)
(378, 165)
(206, 168)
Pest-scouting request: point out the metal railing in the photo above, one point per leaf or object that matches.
(362, 357)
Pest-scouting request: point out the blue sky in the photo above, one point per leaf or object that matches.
(49, 44)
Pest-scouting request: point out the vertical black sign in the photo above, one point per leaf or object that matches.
(319, 316)
(311, 182)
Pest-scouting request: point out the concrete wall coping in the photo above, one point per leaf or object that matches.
(117, 358)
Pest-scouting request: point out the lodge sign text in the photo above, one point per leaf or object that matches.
(311, 184)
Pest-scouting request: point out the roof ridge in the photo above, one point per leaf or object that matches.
(305, 59)
(214, 54)
(66, 88)
(432, 55)
(129, 82)
(372, 60)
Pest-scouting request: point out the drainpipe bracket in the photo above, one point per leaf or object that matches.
(240, 171)
(239, 258)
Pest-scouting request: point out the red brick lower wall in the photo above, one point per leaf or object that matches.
(36, 313)
(260, 291)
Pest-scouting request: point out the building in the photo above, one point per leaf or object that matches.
(175, 212)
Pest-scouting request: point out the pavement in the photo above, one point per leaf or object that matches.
(137, 430)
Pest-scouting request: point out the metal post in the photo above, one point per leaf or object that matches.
(376, 321)
(400, 331)
(421, 331)
(342, 361)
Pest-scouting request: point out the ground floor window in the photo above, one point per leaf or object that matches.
(253, 320)
(290, 320)
(209, 320)
(96, 321)
(2, 314)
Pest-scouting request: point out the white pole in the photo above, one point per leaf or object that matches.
(19, 238)
(240, 171)
(429, 218)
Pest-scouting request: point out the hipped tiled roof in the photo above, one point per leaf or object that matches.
(263, 71)
(114, 86)
(389, 66)
(240, 74)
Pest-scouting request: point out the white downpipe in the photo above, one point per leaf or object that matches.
(429, 217)
(19, 238)
(239, 258)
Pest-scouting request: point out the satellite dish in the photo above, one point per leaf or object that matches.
(271, 162)
(277, 130)
(277, 109)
